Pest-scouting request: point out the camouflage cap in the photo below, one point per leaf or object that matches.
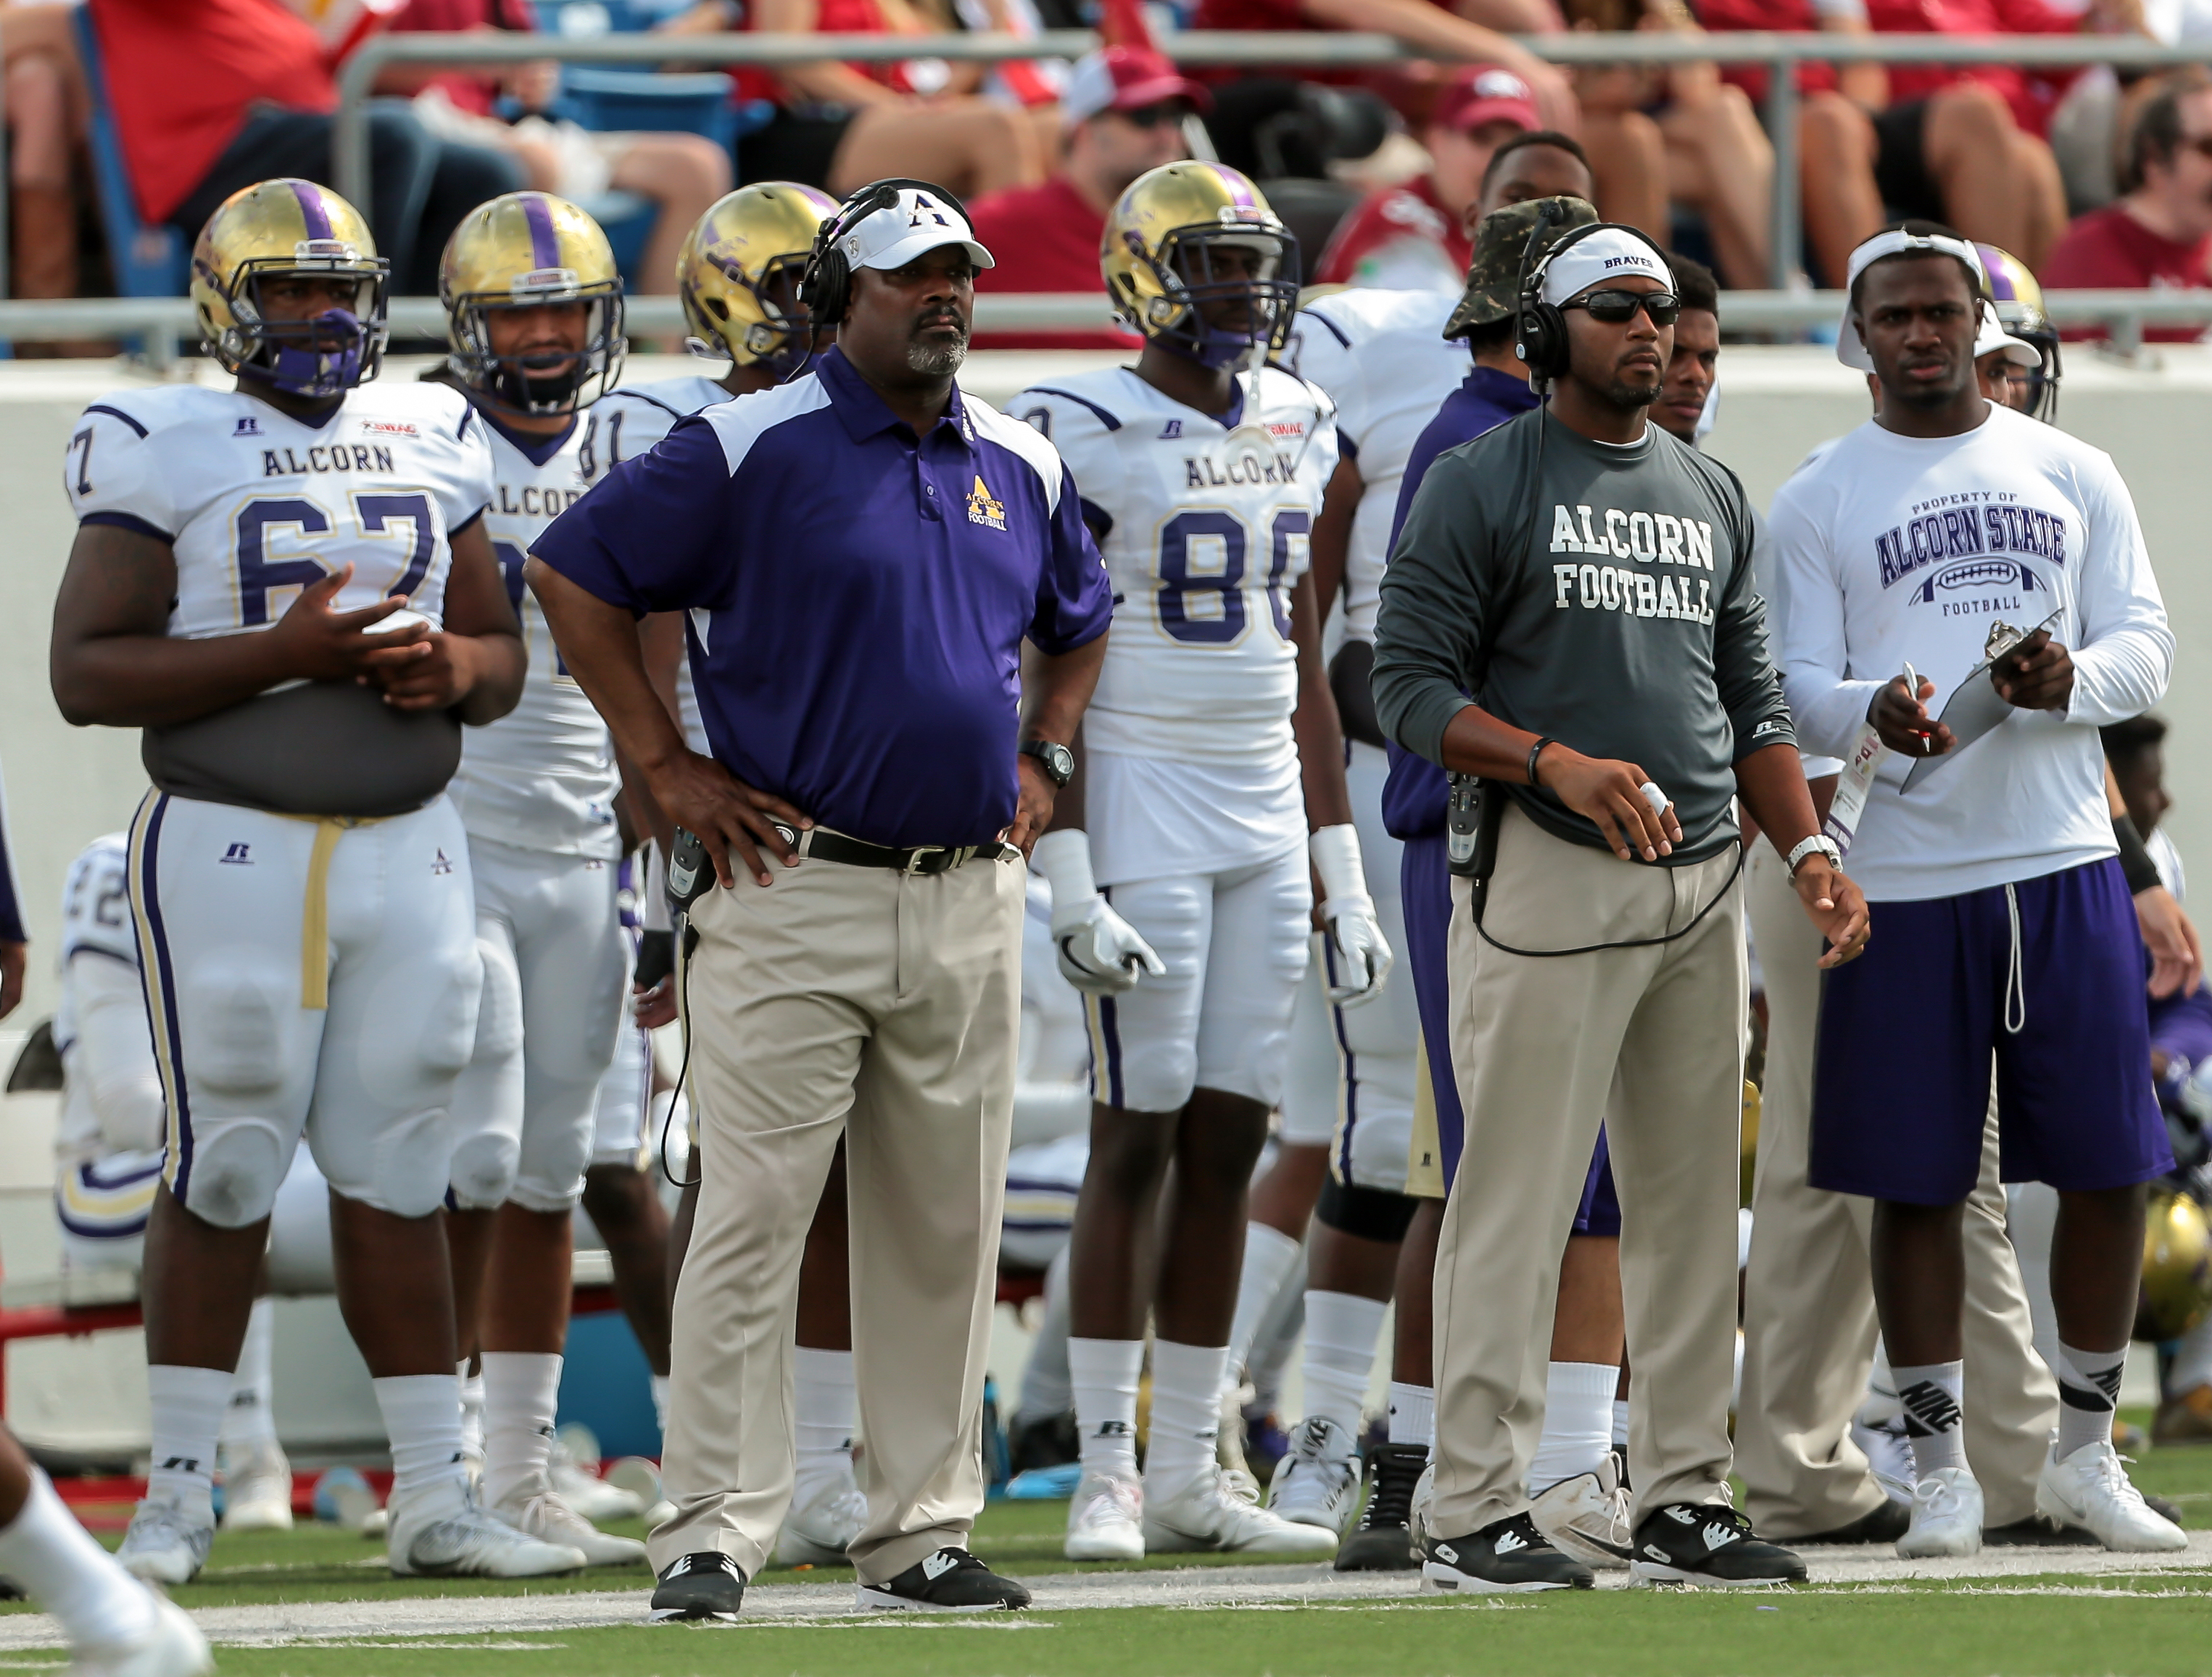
(1501, 246)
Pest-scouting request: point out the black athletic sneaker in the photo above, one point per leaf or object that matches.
(1383, 1541)
(1048, 1441)
(950, 1581)
(1505, 1555)
(706, 1585)
(2038, 1531)
(1885, 1523)
(1708, 1543)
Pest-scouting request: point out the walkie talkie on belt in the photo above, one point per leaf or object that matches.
(1471, 822)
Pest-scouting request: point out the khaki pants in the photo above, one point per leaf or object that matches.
(1649, 1041)
(854, 1001)
(1808, 1317)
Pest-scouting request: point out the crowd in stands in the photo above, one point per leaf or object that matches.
(1376, 169)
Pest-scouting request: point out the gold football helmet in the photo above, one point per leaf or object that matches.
(2176, 1274)
(281, 229)
(1158, 257)
(738, 271)
(524, 250)
(2007, 282)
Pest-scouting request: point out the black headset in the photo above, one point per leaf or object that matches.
(826, 287)
(1540, 328)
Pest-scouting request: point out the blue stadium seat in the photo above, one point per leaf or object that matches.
(624, 100)
(627, 220)
(148, 261)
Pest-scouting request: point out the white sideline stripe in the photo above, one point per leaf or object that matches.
(383, 1619)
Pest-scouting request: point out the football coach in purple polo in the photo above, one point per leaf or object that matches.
(861, 554)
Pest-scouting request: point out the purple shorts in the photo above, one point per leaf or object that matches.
(1907, 1032)
(1425, 899)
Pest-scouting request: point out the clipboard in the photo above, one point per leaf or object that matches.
(1973, 709)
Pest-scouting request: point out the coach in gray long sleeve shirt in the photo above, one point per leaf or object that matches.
(1586, 576)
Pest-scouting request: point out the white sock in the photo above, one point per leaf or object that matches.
(1620, 1424)
(2192, 1360)
(1342, 1330)
(522, 1391)
(1268, 1254)
(1186, 1413)
(423, 1419)
(1413, 1414)
(188, 1405)
(660, 1403)
(1578, 1423)
(1045, 1390)
(1104, 1373)
(1930, 1395)
(828, 1406)
(249, 1420)
(62, 1569)
(472, 1408)
(2088, 1391)
(1270, 1357)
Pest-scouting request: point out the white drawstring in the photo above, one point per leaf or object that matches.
(2015, 1010)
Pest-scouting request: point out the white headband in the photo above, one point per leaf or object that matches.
(1896, 242)
(1994, 337)
(1610, 253)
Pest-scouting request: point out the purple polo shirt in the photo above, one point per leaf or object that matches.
(856, 597)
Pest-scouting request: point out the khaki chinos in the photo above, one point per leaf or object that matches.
(883, 1007)
(1648, 1041)
(1808, 1317)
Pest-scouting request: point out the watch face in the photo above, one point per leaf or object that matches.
(1059, 762)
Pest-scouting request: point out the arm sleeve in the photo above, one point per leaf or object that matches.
(1750, 686)
(112, 1055)
(1075, 602)
(1428, 625)
(2125, 656)
(113, 476)
(657, 533)
(1829, 707)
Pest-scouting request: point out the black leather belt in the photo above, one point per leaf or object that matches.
(819, 844)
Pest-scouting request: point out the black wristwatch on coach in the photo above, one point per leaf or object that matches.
(1057, 759)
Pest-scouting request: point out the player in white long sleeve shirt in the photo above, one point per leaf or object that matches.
(2007, 928)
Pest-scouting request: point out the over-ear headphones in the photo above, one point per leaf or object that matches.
(825, 288)
(1540, 328)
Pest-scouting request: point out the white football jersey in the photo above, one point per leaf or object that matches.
(543, 777)
(1207, 529)
(626, 423)
(1383, 360)
(97, 926)
(257, 505)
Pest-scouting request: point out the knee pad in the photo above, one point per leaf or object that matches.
(228, 1169)
(235, 1004)
(1364, 1213)
(408, 1167)
(483, 1169)
(499, 1005)
(549, 1176)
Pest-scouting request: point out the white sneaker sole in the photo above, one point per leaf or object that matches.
(151, 1566)
(1653, 1572)
(1940, 1546)
(1124, 1545)
(1436, 1575)
(270, 1516)
(878, 1599)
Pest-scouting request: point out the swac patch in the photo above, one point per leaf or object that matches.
(390, 428)
(985, 509)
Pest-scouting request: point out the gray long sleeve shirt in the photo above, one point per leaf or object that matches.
(1616, 613)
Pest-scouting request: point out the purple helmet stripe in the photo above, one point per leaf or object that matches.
(311, 210)
(544, 242)
(1240, 190)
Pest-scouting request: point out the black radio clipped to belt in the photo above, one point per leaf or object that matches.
(1471, 821)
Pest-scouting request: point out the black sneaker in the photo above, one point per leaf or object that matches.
(1883, 1524)
(1708, 1543)
(950, 1581)
(1048, 1441)
(1505, 1555)
(2038, 1531)
(707, 1585)
(1383, 1541)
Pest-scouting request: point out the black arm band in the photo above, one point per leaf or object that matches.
(1535, 751)
(2135, 860)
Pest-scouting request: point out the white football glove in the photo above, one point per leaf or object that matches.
(1100, 953)
(1361, 954)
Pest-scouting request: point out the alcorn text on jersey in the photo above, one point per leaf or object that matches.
(541, 777)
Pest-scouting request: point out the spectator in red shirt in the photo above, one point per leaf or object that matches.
(1412, 237)
(1122, 113)
(2160, 233)
(218, 95)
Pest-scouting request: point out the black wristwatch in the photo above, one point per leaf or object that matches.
(1059, 762)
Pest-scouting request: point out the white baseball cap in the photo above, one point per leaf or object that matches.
(1897, 242)
(918, 223)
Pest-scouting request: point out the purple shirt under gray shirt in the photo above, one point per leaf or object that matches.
(857, 598)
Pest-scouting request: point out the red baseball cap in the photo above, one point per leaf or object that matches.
(1128, 78)
(1486, 93)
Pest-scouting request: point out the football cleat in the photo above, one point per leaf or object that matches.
(165, 1545)
(1218, 1512)
(1884, 1522)
(1709, 1543)
(1947, 1516)
(707, 1585)
(1506, 1557)
(2091, 1489)
(171, 1646)
(1105, 1519)
(256, 1488)
(1318, 1484)
(950, 1581)
(443, 1537)
(585, 1491)
(1383, 1541)
(536, 1510)
(1889, 1457)
(1587, 1516)
(823, 1520)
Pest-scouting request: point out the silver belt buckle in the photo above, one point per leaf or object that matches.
(914, 859)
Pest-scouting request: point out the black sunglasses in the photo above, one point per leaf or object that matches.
(1617, 308)
(1151, 116)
